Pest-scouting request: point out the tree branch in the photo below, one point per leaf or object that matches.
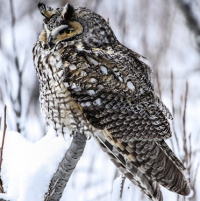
(188, 9)
(66, 167)
(16, 102)
(1, 149)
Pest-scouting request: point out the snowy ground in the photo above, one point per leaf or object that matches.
(28, 167)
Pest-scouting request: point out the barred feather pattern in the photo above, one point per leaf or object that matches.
(146, 184)
(92, 83)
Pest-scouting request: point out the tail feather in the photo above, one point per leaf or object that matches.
(165, 148)
(161, 165)
(145, 183)
(147, 164)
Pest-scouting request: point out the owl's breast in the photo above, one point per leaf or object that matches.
(57, 105)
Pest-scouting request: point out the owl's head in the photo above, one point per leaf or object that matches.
(73, 23)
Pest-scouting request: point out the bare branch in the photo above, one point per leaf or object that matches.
(122, 185)
(173, 112)
(17, 102)
(66, 167)
(3, 139)
(184, 125)
(1, 149)
(193, 22)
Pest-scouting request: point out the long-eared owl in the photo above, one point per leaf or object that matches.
(92, 83)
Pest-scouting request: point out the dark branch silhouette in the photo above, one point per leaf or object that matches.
(193, 22)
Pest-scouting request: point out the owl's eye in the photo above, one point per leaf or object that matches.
(66, 31)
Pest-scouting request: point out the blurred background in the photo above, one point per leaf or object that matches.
(167, 33)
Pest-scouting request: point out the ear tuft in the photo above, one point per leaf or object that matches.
(46, 11)
(67, 12)
(41, 7)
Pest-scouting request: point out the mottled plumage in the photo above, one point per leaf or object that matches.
(92, 83)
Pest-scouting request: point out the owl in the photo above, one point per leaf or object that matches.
(90, 82)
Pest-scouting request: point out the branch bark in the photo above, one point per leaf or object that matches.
(66, 167)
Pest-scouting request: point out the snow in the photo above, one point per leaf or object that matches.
(116, 189)
(28, 167)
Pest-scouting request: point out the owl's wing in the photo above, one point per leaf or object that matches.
(117, 98)
(129, 118)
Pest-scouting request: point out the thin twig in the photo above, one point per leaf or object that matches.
(3, 139)
(173, 111)
(1, 149)
(190, 156)
(184, 125)
(122, 186)
(18, 100)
